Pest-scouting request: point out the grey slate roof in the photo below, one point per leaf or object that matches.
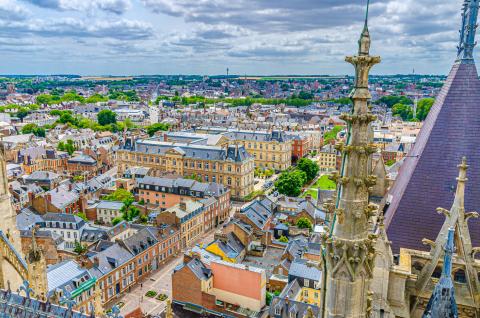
(301, 268)
(110, 205)
(109, 258)
(427, 178)
(13, 305)
(153, 146)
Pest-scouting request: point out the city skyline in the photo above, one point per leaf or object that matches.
(135, 37)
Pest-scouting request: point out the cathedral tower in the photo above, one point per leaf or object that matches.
(349, 249)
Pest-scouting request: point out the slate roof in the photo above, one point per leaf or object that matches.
(301, 268)
(427, 178)
(287, 307)
(109, 258)
(198, 268)
(13, 305)
(110, 205)
(174, 185)
(82, 159)
(140, 241)
(26, 220)
(42, 176)
(63, 274)
(232, 247)
(62, 197)
(153, 146)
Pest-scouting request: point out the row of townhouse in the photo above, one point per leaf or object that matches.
(117, 266)
(164, 193)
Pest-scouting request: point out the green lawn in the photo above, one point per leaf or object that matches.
(323, 183)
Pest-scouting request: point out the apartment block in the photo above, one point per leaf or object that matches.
(231, 165)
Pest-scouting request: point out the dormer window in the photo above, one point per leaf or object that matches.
(278, 310)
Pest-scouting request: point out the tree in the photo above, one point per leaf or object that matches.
(33, 129)
(290, 183)
(423, 108)
(309, 167)
(283, 239)
(82, 216)
(120, 195)
(390, 101)
(106, 117)
(304, 223)
(117, 220)
(404, 111)
(79, 248)
(22, 113)
(152, 129)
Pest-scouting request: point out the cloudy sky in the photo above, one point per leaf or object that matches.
(119, 37)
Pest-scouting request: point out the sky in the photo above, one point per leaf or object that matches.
(205, 37)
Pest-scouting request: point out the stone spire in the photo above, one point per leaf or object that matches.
(456, 219)
(349, 249)
(442, 303)
(467, 31)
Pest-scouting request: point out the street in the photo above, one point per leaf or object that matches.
(160, 282)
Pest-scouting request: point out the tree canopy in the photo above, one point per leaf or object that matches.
(309, 167)
(106, 117)
(290, 183)
(152, 129)
(33, 129)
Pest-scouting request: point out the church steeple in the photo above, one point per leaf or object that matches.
(349, 247)
(467, 31)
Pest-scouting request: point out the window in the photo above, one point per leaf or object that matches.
(305, 293)
(277, 310)
(306, 283)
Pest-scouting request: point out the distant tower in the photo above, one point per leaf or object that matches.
(227, 71)
(349, 249)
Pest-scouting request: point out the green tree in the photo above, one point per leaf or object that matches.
(70, 147)
(120, 195)
(106, 117)
(22, 113)
(33, 129)
(308, 166)
(290, 183)
(404, 111)
(304, 223)
(79, 248)
(152, 129)
(82, 216)
(283, 239)
(423, 108)
(390, 101)
(117, 220)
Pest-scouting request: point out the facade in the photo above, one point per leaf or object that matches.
(189, 217)
(231, 166)
(108, 210)
(328, 158)
(68, 226)
(224, 288)
(271, 149)
(82, 165)
(165, 193)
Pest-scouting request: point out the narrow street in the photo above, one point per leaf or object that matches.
(160, 282)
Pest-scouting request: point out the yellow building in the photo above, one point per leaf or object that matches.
(230, 165)
(188, 215)
(328, 158)
(271, 149)
(228, 247)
